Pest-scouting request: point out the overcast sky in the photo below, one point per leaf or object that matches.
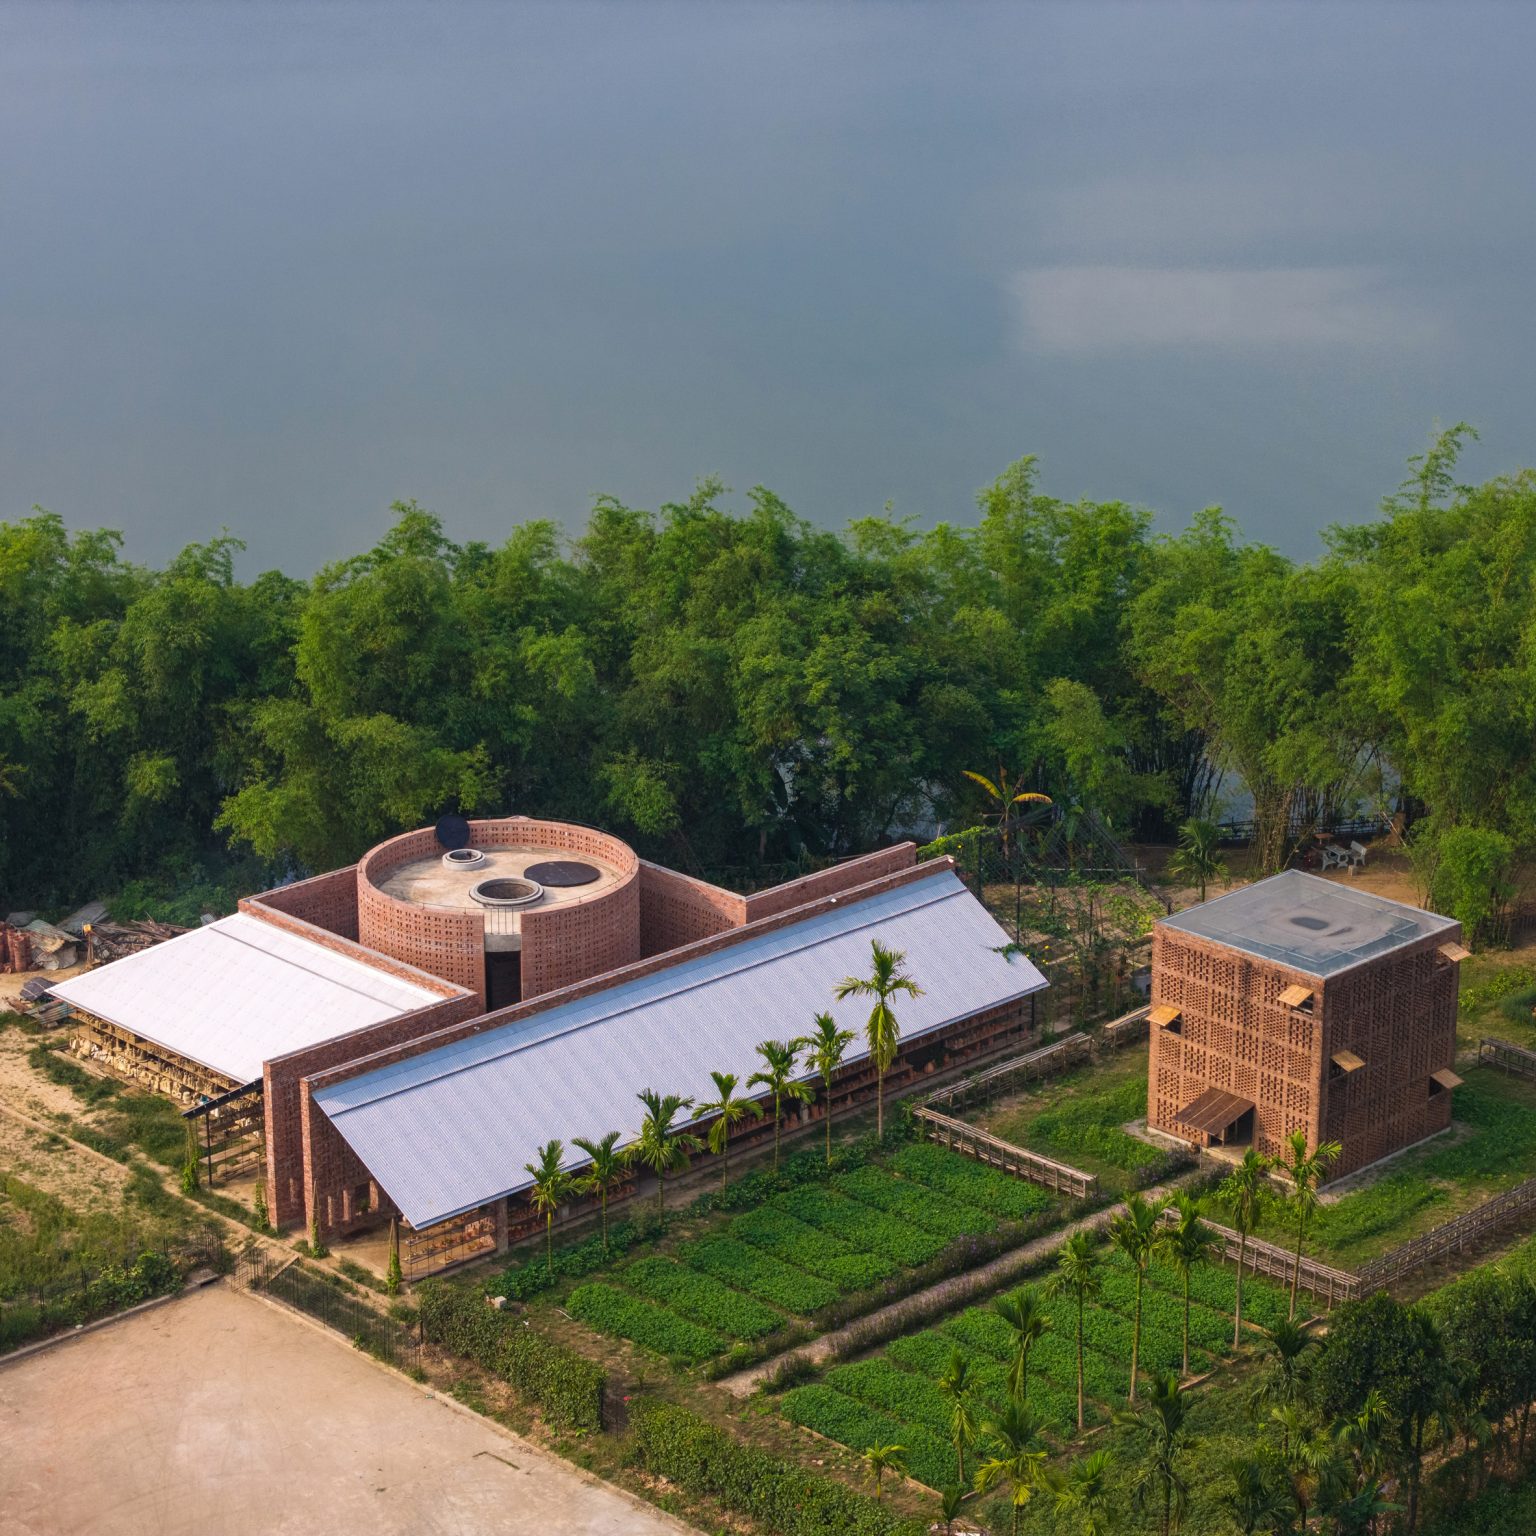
(274, 266)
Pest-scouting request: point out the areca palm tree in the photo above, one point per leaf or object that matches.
(886, 978)
(1314, 1466)
(1254, 1502)
(777, 1077)
(1134, 1233)
(659, 1146)
(550, 1183)
(1305, 1171)
(1029, 1323)
(1281, 1384)
(1017, 1457)
(880, 1459)
(1247, 1191)
(951, 1502)
(825, 1045)
(1186, 1244)
(728, 1111)
(1159, 1432)
(957, 1384)
(1083, 1490)
(604, 1174)
(1078, 1275)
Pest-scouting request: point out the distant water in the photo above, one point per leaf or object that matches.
(277, 264)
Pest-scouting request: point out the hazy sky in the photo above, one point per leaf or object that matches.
(273, 266)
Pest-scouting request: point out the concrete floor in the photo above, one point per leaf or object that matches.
(218, 1412)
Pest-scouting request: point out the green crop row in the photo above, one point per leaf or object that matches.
(930, 1459)
(914, 1399)
(974, 1183)
(1215, 1286)
(1161, 1311)
(776, 1233)
(620, 1315)
(700, 1298)
(941, 1214)
(750, 1269)
(886, 1236)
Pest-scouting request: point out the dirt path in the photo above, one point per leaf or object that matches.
(955, 1292)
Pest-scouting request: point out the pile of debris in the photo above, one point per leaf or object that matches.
(111, 941)
(27, 943)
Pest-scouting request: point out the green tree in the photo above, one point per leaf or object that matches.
(606, 1168)
(1187, 1243)
(951, 1502)
(1255, 1502)
(1198, 859)
(660, 1146)
(1159, 1439)
(880, 1459)
(551, 1183)
(1305, 1171)
(1285, 1371)
(1246, 1192)
(957, 1385)
(825, 1047)
(1081, 1491)
(777, 1079)
(1134, 1231)
(728, 1110)
(1078, 1274)
(393, 1276)
(1028, 1323)
(1015, 1457)
(882, 1033)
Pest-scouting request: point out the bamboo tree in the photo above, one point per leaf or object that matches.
(605, 1172)
(1246, 1190)
(1305, 1171)
(1028, 1321)
(1134, 1233)
(1159, 1432)
(550, 1184)
(659, 1146)
(728, 1110)
(777, 1077)
(958, 1386)
(1078, 1275)
(882, 1033)
(1017, 1457)
(826, 1045)
(1186, 1244)
(880, 1459)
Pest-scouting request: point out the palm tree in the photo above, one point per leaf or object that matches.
(1281, 1384)
(728, 1110)
(661, 1148)
(1083, 1490)
(880, 1459)
(1246, 1190)
(1186, 1244)
(956, 1383)
(951, 1502)
(1305, 1173)
(1314, 1466)
(1078, 1276)
(1005, 794)
(1016, 1459)
(1254, 1502)
(777, 1077)
(1158, 1431)
(604, 1174)
(1134, 1233)
(1197, 858)
(550, 1183)
(882, 1032)
(1028, 1320)
(826, 1044)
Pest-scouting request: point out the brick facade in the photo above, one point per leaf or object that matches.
(828, 882)
(677, 909)
(327, 901)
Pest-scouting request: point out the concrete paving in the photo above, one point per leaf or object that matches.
(222, 1413)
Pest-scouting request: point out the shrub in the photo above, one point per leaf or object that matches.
(706, 1461)
(1502, 984)
(700, 1298)
(663, 1332)
(567, 1386)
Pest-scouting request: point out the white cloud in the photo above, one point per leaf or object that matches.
(1111, 308)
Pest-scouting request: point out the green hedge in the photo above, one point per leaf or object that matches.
(567, 1387)
(111, 1289)
(671, 1442)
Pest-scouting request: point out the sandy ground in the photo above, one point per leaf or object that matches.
(219, 1412)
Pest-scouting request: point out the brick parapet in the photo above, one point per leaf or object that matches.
(828, 882)
(326, 901)
(676, 909)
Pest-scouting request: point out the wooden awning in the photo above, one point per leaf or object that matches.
(1347, 1061)
(1163, 1015)
(1294, 996)
(1455, 953)
(1214, 1111)
(1446, 1078)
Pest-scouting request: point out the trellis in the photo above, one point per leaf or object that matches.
(1260, 1258)
(1044, 1062)
(231, 1132)
(1507, 1056)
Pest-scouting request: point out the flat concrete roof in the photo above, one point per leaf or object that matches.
(1320, 927)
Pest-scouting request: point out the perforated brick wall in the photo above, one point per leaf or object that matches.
(676, 909)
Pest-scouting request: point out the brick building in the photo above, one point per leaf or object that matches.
(1302, 1003)
(397, 1038)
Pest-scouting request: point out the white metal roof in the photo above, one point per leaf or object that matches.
(239, 992)
(451, 1129)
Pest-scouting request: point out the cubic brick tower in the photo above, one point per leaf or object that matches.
(1302, 1003)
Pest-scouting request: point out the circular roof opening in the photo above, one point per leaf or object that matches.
(464, 858)
(564, 872)
(506, 891)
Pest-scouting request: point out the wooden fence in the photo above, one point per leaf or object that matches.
(986, 1148)
(1048, 1059)
(1508, 1056)
(1260, 1258)
(1128, 1029)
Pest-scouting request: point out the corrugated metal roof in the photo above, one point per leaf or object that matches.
(451, 1129)
(1321, 927)
(239, 992)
